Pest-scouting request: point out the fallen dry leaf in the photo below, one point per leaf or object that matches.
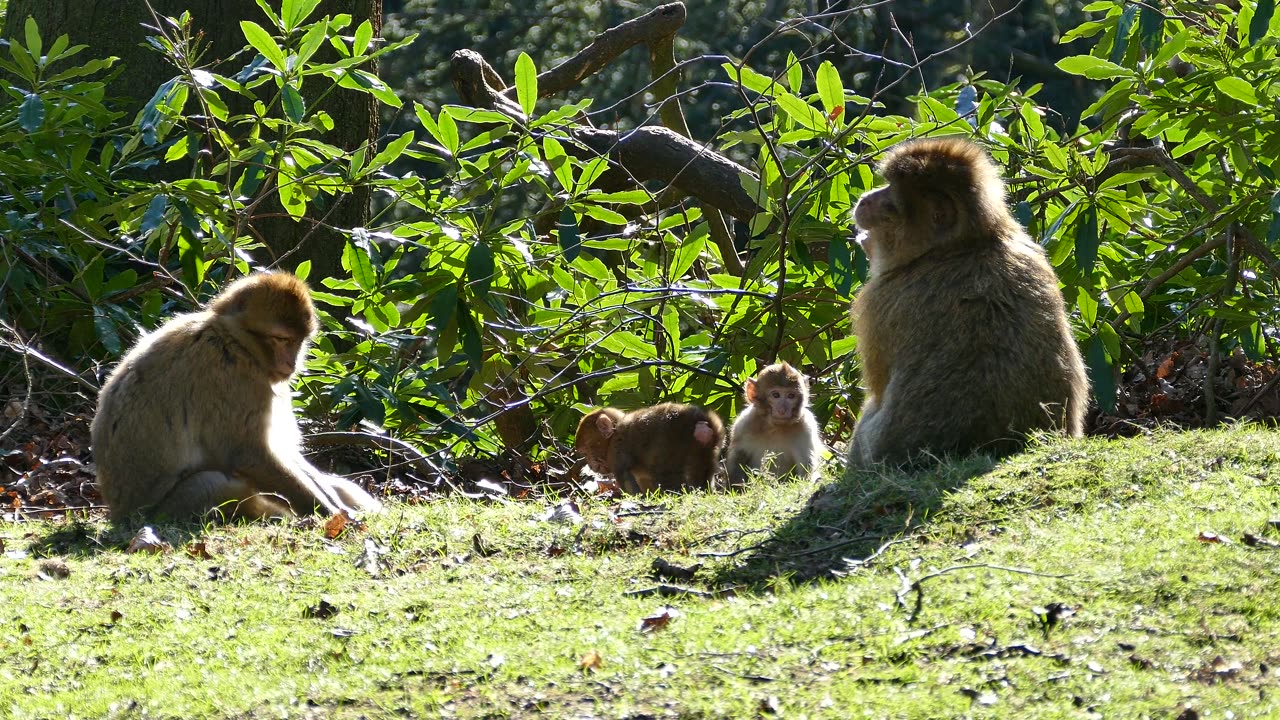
(334, 526)
(198, 550)
(148, 541)
(659, 620)
(590, 661)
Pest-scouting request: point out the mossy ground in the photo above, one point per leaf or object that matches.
(1129, 578)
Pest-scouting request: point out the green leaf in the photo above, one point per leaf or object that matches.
(1150, 28)
(1261, 22)
(752, 80)
(628, 345)
(1087, 239)
(1094, 68)
(1237, 88)
(444, 308)
(32, 32)
(154, 215)
(311, 42)
(261, 41)
(801, 111)
(356, 261)
(106, 330)
(255, 170)
(31, 113)
(687, 253)
(303, 271)
(471, 346)
(830, 88)
(1123, 29)
(570, 240)
(364, 34)
(526, 83)
(1273, 229)
(391, 152)
(294, 106)
(1101, 376)
(558, 160)
(294, 12)
(480, 268)
(795, 73)
(840, 260)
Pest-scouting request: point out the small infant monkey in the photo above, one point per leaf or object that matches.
(197, 416)
(668, 446)
(776, 422)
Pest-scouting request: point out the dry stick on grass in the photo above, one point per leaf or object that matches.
(916, 586)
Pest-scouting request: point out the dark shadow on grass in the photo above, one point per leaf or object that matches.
(847, 521)
(78, 538)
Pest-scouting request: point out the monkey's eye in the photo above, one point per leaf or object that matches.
(776, 394)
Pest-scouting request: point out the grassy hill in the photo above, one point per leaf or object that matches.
(1131, 578)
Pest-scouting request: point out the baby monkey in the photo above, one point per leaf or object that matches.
(667, 447)
(775, 424)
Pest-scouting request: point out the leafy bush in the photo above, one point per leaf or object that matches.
(457, 313)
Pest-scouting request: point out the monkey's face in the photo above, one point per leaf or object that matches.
(877, 210)
(784, 403)
(593, 441)
(280, 350)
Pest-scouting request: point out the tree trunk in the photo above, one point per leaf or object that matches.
(115, 27)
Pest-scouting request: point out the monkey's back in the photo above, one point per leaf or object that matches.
(661, 439)
(156, 410)
(981, 337)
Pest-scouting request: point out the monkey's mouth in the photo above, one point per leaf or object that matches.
(783, 420)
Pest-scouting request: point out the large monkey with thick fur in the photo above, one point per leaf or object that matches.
(964, 341)
(197, 416)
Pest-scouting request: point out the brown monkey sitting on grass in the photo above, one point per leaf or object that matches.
(197, 416)
(964, 341)
(665, 447)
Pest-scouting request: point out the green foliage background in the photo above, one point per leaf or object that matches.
(497, 274)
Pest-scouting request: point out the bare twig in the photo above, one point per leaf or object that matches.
(916, 586)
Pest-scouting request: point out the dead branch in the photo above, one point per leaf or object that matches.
(661, 22)
(647, 153)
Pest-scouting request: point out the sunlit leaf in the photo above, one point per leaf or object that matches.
(262, 42)
(1237, 88)
(526, 83)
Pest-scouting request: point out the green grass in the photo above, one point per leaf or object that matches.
(1073, 581)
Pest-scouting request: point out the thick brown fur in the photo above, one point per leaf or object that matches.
(964, 341)
(664, 447)
(197, 416)
(776, 424)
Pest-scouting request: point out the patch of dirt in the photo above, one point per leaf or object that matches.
(1169, 386)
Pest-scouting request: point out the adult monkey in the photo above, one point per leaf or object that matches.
(964, 341)
(197, 416)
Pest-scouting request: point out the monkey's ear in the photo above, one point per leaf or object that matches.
(945, 215)
(604, 424)
(749, 390)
